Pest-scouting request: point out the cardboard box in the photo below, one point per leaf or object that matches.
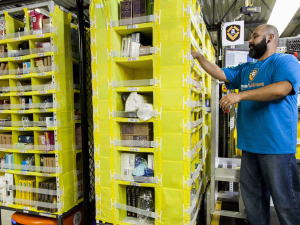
(42, 140)
(46, 164)
(2, 48)
(1, 139)
(46, 23)
(20, 193)
(141, 129)
(52, 163)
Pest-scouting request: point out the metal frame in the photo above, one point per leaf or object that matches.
(222, 169)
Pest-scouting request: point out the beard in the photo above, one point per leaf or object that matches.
(258, 50)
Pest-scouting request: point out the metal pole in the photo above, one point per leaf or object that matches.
(84, 119)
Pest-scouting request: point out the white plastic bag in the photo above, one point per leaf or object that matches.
(134, 102)
(145, 112)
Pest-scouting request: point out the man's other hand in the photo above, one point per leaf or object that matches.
(195, 54)
(230, 99)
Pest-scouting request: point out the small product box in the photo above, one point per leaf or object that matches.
(42, 140)
(26, 67)
(26, 139)
(136, 129)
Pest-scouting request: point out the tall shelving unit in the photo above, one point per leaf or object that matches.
(56, 83)
(181, 120)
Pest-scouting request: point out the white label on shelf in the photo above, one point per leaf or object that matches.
(134, 184)
(25, 208)
(1, 94)
(17, 39)
(22, 128)
(43, 92)
(1, 111)
(46, 175)
(20, 93)
(42, 74)
(0, 76)
(19, 76)
(5, 204)
(39, 35)
(43, 110)
(23, 151)
(133, 89)
(133, 120)
(25, 211)
(2, 149)
(24, 172)
(41, 54)
(44, 128)
(18, 58)
(2, 128)
(3, 170)
(132, 26)
(133, 58)
(134, 149)
(21, 111)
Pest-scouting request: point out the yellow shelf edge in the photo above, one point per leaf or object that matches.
(131, 120)
(129, 59)
(140, 89)
(120, 182)
(139, 26)
(30, 173)
(29, 151)
(26, 38)
(134, 149)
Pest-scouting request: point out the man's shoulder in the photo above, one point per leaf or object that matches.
(280, 58)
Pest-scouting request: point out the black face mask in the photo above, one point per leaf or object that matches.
(259, 49)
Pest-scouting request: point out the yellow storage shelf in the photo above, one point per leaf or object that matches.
(140, 89)
(131, 120)
(142, 62)
(27, 151)
(145, 28)
(134, 149)
(28, 111)
(30, 173)
(26, 38)
(127, 183)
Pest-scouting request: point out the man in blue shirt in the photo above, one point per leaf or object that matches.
(266, 126)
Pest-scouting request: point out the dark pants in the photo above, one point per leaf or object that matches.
(276, 175)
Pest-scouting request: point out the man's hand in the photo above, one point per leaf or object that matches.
(195, 54)
(229, 100)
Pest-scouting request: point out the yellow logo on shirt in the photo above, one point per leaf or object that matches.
(253, 74)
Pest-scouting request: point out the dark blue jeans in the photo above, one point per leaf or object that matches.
(275, 175)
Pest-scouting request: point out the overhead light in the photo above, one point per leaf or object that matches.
(282, 13)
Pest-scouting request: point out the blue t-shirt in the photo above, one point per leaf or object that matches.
(267, 127)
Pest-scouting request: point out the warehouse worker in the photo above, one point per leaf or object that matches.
(266, 125)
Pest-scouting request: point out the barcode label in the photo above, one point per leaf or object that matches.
(44, 128)
(20, 93)
(18, 58)
(134, 184)
(133, 120)
(21, 111)
(2, 149)
(133, 59)
(132, 26)
(22, 128)
(5, 204)
(99, 6)
(43, 92)
(39, 35)
(17, 39)
(24, 172)
(133, 89)
(43, 110)
(46, 215)
(46, 175)
(25, 208)
(3, 170)
(126, 172)
(134, 149)
(42, 74)
(1, 94)
(1, 111)
(25, 211)
(19, 76)
(23, 151)
(41, 54)
(2, 128)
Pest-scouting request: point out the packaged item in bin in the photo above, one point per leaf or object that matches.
(140, 166)
(146, 203)
(145, 50)
(134, 102)
(145, 112)
(40, 64)
(43, 47)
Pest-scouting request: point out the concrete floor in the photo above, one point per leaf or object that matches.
(6, 216)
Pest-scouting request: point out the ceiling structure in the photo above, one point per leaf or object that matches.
(214, 11)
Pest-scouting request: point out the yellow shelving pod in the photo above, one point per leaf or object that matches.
(181, 120)
(53, 82)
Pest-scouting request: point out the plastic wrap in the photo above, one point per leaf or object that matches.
(145, 112)
(146, 202)
(134, 102)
